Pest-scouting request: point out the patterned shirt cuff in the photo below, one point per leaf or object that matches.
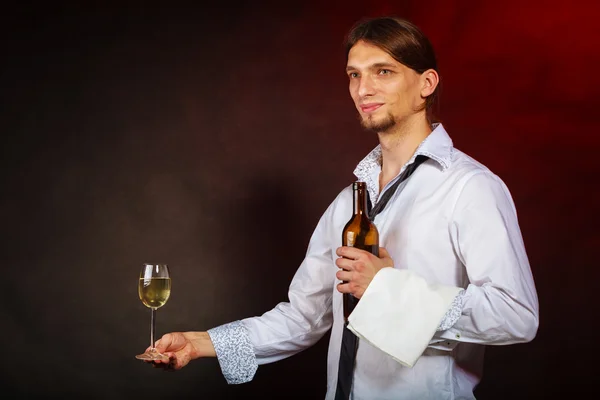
(453, 314)
(234, 352)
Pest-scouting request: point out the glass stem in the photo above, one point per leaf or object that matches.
(152, 328)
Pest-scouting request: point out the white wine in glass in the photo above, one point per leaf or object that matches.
(154, 288)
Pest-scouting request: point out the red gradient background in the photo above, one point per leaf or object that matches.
(212, 138)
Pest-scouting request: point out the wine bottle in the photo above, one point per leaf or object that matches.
(359, 232)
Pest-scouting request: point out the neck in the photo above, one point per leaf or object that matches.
(399, 144)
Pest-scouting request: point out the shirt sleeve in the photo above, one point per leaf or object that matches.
(234, 352)
(500, 304)
(299, 323)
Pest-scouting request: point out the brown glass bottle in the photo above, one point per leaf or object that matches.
(359, 232)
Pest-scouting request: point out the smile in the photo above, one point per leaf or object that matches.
(370, 107)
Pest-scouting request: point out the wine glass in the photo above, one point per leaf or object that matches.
(154, 288)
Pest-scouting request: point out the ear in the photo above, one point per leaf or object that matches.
(429, 81)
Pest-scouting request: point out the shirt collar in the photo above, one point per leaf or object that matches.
(437, 146)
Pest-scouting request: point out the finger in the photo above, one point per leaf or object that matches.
(161, 365)
(164, 363)
(161, 361)
(181, 361)
(345, 263)
(350, 252)
(171, 365)
(343, 275)
(343, 288)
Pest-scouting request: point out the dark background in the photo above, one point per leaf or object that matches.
(212, 138)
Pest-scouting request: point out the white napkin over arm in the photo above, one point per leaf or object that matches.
(400, 312)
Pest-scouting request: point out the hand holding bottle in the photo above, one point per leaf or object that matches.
(358, 268)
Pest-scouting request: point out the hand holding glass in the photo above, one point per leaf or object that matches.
(154, 288)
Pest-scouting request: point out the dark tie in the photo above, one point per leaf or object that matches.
(349, 339)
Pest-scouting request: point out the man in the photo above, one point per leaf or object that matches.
(452, 274)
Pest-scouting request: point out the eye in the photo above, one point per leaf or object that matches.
(353, 75)
(384, 72)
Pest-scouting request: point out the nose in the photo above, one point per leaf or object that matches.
(366, 86)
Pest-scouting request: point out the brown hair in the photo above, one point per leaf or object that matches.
(402, 40)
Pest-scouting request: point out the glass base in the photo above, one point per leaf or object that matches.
(152, 355)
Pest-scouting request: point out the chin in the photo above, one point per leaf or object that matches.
(378, 125)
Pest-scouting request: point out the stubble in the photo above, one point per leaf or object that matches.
(381, 126)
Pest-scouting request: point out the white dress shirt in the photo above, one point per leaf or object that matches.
(451, 226)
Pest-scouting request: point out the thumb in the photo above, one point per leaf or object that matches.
(166, 343)
(383, 254)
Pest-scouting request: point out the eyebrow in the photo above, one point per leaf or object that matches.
(372, 66)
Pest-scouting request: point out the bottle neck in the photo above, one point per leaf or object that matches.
(360, 199)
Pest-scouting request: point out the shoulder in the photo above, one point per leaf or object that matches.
(465, 169)
(477, 183)
(465, 165)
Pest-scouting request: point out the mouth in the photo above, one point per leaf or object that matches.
(370, 107)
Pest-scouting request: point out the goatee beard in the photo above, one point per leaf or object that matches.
(379, 126)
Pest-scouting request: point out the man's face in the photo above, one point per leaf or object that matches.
(384, 91)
